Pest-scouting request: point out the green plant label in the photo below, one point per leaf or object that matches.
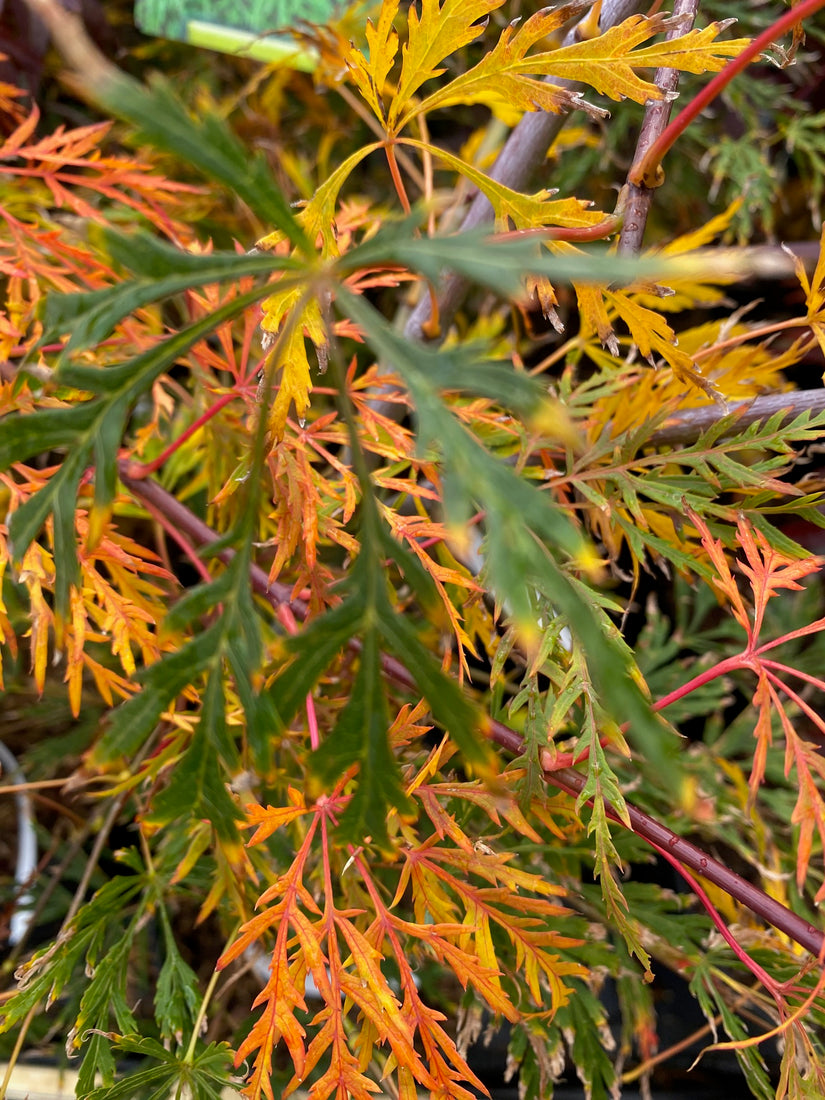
(248, 28)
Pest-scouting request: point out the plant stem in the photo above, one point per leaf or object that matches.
(143, 469)
(398, 182)
(646, 171)
(721, 668)
(675, 1048)
(207, 997)
(18, 1046)
(638, 197)
(760, 903)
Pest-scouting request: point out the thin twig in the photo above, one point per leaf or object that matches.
(150, 492)
(638, 197)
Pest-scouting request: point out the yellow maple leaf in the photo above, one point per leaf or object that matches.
(505, 77)
(694, 52)
(432, 36)
(369, 73)
(608, 62)
(651, 333)
(814, 292)
(695, 289)
(37, 573)
(318, 217)
(524, 211)
(288, 314)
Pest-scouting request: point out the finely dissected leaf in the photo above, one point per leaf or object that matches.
(434, 870)
(635, 496)
(318, 217)
(523, 531)
(107, 438)
(205, 142)
(583, 1020)
(499, 264)
(122, 385)
(769, 571)
(68, 171)
(46, 429)
(814, 289)
(155, 1083)
(284, 992)
(177, 997)
(524, 454)
(509, 74)
(95, 425)
(750, 1059)
(29, 518)
(607, 62)
(198, 782)
(345, 950)
(524, 211)
(45, 975)
(437, 32)
(501, 267)
(360, 736)
(161, 684)
(502, 77)
(163, 270)
(295, 383)
(369, 73)
(315, 648)
(203, 1076)
(450, 707)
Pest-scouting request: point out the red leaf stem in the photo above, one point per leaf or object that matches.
(644, 172)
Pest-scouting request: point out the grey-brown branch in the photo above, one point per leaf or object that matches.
(657, 116)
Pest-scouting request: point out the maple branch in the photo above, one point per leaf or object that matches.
(638, 196)
(566, 779)
(523, 153)
(151, 493)
(659, 836)
(687, 426)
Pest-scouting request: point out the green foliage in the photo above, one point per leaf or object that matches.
(429, 614)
